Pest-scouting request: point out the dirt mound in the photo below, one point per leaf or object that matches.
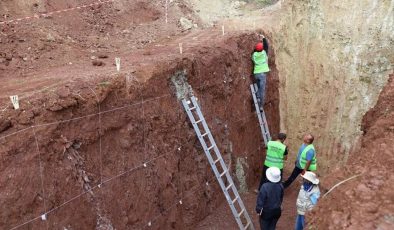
(366, 202)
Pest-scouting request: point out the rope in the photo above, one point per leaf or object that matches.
(107, 180)
(41, 175)
(100, 146)
(85, 116)
(143, 165)
(43, 15)
(179, 201)
(341, 183)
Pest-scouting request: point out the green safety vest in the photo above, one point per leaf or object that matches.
(312, 166)
(275, 152)
(260, 60)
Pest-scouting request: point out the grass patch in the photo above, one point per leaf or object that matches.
(266, 2)
(104, 83)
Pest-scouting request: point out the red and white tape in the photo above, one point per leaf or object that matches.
(43, 15)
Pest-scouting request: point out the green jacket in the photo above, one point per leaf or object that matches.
(260, 60)
(303, 161)
(275, 154)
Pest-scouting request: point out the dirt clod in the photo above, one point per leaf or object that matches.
(98, 63)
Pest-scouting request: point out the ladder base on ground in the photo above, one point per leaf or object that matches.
(217, 164)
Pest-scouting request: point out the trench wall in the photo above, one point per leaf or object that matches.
(334, 58)
(78, 153)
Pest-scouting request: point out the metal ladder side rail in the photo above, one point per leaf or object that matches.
(230, 185)
(266, 131)
(266, 128)
(225, 171)
(218, 158)
(261, 116)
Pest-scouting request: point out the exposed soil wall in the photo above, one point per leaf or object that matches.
(334, 58)
(366, 202)
(87, 171)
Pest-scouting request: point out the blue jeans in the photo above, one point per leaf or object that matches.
(300, 222)
(260, 80)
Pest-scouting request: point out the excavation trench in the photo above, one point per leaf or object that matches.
(116, 151)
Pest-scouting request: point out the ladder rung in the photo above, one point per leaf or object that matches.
(228, 187)
(211, 147)
(239, 214)
(192, 108)
(224, 172)
(217, 160)
(198, 121)
(203, 135)
(235, 199)
(246, 227)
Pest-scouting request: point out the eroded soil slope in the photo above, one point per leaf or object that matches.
(366, 202)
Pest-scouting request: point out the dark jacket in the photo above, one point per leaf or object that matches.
(270, 197)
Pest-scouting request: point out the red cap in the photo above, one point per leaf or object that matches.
(259, 47)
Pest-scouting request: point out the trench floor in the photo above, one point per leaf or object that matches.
(222, 218)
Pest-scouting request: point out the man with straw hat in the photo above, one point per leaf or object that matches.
(307, 198)
(269, 200)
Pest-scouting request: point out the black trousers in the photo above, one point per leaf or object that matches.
(264, 177)
(269, 219)
(296, 171)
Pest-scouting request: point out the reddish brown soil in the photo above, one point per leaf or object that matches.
(366, 202)
(220, 219)
(60, 175)
(111, 123)
(30, 49)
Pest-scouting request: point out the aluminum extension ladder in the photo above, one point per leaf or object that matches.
(217, 163)
(261, 116)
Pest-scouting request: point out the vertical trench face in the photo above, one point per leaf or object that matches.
(334, 58)
(94, 165)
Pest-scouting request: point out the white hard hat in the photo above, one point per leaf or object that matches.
(310, 176)
(273, 174)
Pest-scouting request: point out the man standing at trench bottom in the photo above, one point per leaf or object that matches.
(306, 160)
(276, 154)
(260, 70)
(269, 200)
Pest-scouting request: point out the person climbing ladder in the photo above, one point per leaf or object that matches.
(260, 70)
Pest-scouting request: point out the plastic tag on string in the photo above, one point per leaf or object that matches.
(117, 62)
(15, 101)
(43, 217)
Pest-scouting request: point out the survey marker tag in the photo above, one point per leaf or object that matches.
(180, 48)
(15, 101)
(117, 62)
(43, 217)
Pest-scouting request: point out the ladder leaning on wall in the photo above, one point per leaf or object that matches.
(261, 116)
(217, 163)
